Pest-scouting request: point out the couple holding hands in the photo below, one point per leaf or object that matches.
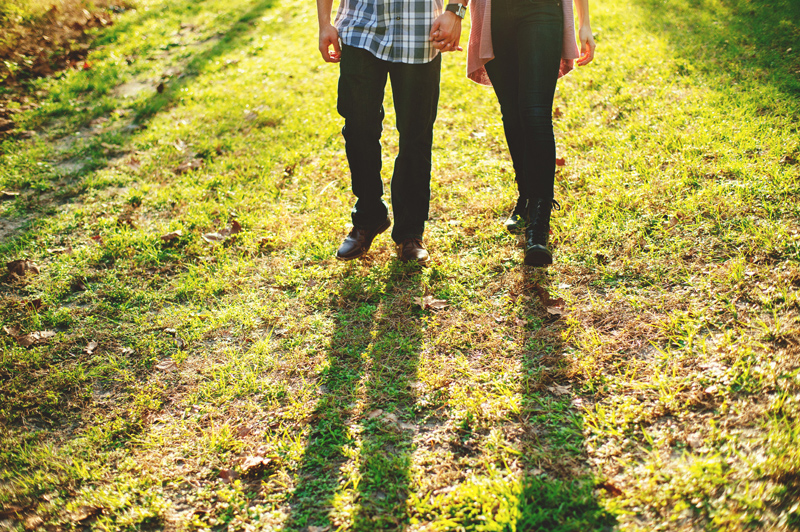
(519, 47)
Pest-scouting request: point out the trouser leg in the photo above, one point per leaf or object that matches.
(362, 80)
(526, 65)
(415, 88)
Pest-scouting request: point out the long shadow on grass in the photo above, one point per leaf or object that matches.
(557, 487)
(355, 469)
(749, 39)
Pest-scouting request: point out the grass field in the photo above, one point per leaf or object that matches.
(203, 362)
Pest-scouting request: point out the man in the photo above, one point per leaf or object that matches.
(398, 39)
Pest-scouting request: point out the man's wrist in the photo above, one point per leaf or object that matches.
(457, 8)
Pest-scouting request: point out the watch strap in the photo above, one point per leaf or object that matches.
(459, 9)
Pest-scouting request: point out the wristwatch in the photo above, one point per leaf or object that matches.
(459, 9)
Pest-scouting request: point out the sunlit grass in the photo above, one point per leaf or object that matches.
(257, 383)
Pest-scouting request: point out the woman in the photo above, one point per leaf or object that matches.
(521, 48)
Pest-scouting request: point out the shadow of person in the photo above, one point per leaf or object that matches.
(557, 483)
(355, 468)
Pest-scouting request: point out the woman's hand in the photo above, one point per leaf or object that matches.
(446, 32)
(587, 45)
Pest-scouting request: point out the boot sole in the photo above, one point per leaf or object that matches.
(538, 257)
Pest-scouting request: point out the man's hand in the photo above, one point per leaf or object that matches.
(329, 36)
(587, 45)
(446, 32)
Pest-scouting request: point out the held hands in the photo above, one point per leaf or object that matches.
(446, 32)
(587, 45)
(329, 36)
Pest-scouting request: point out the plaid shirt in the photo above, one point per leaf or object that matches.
(393, 30)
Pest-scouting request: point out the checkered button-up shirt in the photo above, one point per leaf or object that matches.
(393, 30)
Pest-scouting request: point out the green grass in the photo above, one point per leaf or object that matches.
(665, 398)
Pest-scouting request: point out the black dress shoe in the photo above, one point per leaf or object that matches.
(537, 233)
(516, 222)
(359, 240)
(412, 250)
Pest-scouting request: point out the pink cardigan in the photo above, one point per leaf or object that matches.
(479, 48)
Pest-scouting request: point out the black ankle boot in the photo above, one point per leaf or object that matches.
(516, 222)
(537, 233)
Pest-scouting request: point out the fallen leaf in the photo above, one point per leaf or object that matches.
(7, 194)
(172, 236)
(213, 237)
(19, 268)
(694, 440)
(167, 365)
(252, 464)
(180, 146)
(90, 348)
(127, 351)
(86, 65)
(83, 513)
(191, 164)
(557, 113)
(243, 431)
(170, 330)
(561, 161)
(78, 285)
(111, 147)
(374, 413)
(133, 163)
(223, 234)
(160, 87)
(37, 337)
(96, 239)
(33, 521)
(391, 418)
(558, 389)
(314, 528)
(555, 311)
(180, 342)
(12, 330)
(250, 115)
(57, 251)
(228, 475)
(610, 488)
(35, 303)
(430, 302)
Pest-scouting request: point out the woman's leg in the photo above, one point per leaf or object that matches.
(538, 39)
(527, 40)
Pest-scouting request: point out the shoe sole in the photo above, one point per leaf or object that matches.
(383, 227)
(538, 258)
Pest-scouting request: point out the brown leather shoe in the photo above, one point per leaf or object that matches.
(412, 249)
(359, 240)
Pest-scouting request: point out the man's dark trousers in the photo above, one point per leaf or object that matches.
(415, 89)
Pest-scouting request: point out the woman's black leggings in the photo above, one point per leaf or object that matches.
(527, 38)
